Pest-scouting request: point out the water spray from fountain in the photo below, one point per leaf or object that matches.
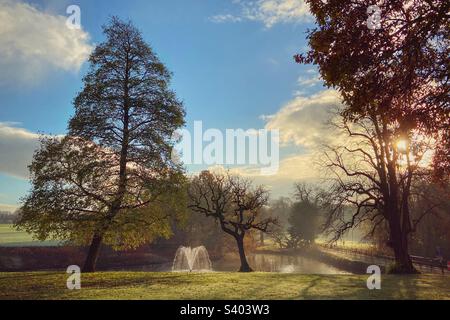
(191, 259)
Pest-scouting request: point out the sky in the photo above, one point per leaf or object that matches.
(232, 64)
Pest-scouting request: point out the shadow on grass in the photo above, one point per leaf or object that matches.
(392, 288)
(136, 280)
(305, 293)
(220, 285)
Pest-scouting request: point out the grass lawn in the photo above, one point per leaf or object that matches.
(258, 286)
(10, 237)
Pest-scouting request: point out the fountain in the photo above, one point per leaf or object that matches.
(191, 259)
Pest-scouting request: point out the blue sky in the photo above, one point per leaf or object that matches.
(231, 62)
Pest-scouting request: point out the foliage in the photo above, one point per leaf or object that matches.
(111, 178)
(433, 231)
(195, 230)
(279, 209)
(394, 82)
(73, 185)
(399, 71)
(303, 220)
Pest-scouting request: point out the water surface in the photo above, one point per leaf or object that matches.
(278, 263)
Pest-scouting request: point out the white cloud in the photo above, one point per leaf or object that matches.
(33, 42)
(309, 82)
(310, 78)
(303, 125)
(269, 12)
(292, 169)
(222, 18)
(17, 146)
(303, 121)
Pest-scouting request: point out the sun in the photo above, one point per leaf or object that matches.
(402, 145)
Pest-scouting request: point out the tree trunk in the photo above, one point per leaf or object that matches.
(403, 262)
(399, 242)
(244, 264)
(94, 250)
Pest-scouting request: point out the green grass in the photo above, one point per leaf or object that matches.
(10, 237)
(257, 286)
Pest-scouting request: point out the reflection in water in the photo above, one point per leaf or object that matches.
(278, 263)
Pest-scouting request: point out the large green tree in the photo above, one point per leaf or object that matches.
(111, 179)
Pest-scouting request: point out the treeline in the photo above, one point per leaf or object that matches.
(308, 215)
(7, 217)
(297, 222)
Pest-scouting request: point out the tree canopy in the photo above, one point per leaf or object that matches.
(400, 71)
(111, 178)
(234, 203)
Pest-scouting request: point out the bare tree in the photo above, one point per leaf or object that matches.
(234, 203)
(307, 192)
(374, 174)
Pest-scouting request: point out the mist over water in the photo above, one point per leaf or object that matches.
(189, 259)
(278, 263)
(197, 260)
